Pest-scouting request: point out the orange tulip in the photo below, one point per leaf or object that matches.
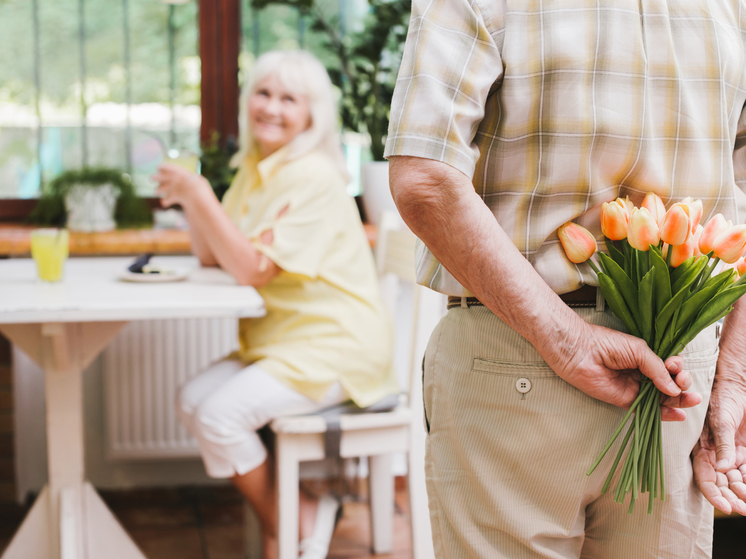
(695, 237)
(614, 220)
(578, 242)
(654, 205)
(642, 230)
(681, 253)
(676, 225)
(627, 204)
(695, 214)
(714, 227)
(729, 246)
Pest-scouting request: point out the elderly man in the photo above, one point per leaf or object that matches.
(510, 118)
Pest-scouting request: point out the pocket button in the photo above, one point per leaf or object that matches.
(523, 385)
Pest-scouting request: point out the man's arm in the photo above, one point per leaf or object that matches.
(441, 207)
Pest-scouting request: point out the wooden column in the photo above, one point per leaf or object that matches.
(219, 44)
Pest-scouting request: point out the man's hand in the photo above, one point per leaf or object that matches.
(604, 364)
(719, 458)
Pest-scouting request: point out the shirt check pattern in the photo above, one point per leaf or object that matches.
(553, 107)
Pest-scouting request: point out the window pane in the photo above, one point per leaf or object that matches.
(104, 78)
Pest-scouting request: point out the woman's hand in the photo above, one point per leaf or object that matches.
(176, 185)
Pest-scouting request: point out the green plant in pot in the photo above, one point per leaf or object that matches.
(367, 64)
(91, 199)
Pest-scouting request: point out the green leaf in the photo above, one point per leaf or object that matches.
(615, 253)
(694, 305)
(719, 302)
(691, 274)
(683, 267)
(692, 333)
(662, 280)
(616, 303)
(664, 317)
(645, 300)
(626, 287)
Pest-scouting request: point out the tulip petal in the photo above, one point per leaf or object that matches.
(578, 242)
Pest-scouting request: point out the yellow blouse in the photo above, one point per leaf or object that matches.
(325, 319)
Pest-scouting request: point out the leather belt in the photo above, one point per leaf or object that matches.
(583, 297)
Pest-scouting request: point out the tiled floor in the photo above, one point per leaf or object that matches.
(207, 523)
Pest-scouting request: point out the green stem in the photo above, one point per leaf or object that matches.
(668, 257)
(619, 428)
(592, 265)
(705, 274)
(660, 458)
(630, 431)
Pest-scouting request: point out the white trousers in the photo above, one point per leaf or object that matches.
(225, 406)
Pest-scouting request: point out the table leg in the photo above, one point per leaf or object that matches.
(68, 520)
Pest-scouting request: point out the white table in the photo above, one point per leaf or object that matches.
(63, 327)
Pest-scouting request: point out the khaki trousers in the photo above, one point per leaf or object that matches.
(509, 443)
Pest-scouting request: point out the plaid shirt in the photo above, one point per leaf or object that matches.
(553, 107)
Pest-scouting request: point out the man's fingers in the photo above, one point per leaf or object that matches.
(705, 478)
(672, 406)
(672, 414)
(725, 450)
(682, 379)
(712, 493)
(675, 364)
(652, 367)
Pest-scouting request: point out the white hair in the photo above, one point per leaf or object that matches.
(302, 74)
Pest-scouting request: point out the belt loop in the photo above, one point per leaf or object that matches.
(463, 303)
(600, 301)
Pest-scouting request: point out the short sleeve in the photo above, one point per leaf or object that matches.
(450, 65)
(303, 227)
(739, 166)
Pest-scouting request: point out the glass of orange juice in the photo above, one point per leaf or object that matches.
(185, 159)
(49, 249)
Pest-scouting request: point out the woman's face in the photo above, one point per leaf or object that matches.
(276, 115)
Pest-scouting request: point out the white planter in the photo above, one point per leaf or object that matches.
(374, 178)
(91, 208)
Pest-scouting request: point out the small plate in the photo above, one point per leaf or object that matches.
(161, 277)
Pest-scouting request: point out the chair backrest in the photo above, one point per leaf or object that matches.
(395, 248)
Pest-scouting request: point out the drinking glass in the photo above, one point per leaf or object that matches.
(50, 249)
(185, 159)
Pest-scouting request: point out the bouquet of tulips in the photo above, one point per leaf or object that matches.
(662, 277)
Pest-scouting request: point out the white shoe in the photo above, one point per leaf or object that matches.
(327, 514)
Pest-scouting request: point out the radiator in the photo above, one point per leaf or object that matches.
(143, 368)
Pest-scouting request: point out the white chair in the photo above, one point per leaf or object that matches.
(375, 435)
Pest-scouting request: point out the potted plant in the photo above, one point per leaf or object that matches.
(91, 199)
(368, 62)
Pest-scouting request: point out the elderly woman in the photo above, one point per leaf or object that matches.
(287, 227)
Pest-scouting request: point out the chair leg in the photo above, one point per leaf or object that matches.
(252, 533)
(422, 537)
(381, 503)
(287, 497)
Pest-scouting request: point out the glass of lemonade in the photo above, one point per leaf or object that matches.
(184, 159)
(49, 249)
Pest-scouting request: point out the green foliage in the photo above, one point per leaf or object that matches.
(131, 210)
(214, 164)
(367, 61)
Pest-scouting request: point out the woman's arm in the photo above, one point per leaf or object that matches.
(215, 238)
